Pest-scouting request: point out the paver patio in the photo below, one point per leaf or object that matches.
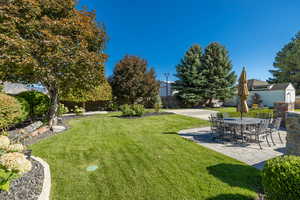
(247, 153)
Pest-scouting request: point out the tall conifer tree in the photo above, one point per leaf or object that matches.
(217, 69)
(190, 79)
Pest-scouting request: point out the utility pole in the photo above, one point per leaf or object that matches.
(167, 88)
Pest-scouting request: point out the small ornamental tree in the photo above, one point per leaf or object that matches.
(190, 81)
(52, 43)
(132, 83)
(217, 69)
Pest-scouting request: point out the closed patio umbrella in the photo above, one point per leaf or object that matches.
(243, 93)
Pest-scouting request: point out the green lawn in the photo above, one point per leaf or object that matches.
(223, 109)
(141, 159)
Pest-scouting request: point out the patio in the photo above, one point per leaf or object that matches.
(249, 153)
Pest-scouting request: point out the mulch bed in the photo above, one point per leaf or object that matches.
(147, 115)
(28, 187)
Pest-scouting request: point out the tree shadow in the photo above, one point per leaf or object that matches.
(231, 197)
(238, 176)
(170, 133)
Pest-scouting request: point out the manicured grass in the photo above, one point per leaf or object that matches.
(223, 109)
(141, 159)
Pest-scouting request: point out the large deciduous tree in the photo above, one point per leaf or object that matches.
(132, 83)
(217, 69)
(190, 81)
(52, 43)
(287, 64)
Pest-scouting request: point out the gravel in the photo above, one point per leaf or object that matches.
(28, 187)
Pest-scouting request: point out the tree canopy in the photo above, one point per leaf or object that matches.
(204, 77)
(287, 64)
(217, 69)
(132, 83)
(52, 43)
(190, 81)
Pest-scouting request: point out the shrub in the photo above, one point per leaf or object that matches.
(12, 163)
(127, 110)
(25, 107)
(157, 103)
(62, 109)
(79, 110)
(132, 110)
(10, 111)
(139, 109)
(39, 103)
(281, 178)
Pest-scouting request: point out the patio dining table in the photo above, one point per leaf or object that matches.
(244, 123)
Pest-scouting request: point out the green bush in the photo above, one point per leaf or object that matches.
(127, 110)
(79, 110)
(62, 109)
(139, 109)
(157, 103)
(10, 111)
(6, 177)
(281, 178)
(25, 107)
(132, 110)
(39, 103)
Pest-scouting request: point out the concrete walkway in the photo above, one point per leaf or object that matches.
(87, 113)
(197, 113)
(247, 153)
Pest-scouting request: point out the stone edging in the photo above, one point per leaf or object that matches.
(45, 195)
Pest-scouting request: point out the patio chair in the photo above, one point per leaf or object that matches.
(275, 127)
(260, 131)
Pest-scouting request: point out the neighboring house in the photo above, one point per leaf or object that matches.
(16, 88)
(166, 89)
(269, 93)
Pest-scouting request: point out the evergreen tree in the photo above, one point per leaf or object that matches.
(217, 69)
(287, 64)
(132, 83)
(190, 81)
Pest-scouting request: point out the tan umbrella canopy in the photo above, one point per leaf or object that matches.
(243, 93)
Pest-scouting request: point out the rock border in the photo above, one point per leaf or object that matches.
(45, 194)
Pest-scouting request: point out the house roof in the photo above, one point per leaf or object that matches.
(279, 86)
(252, 83)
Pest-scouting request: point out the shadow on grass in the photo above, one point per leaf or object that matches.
(231, 197)
(238, 176)
(170, 133)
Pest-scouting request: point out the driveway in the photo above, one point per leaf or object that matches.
(197, 113)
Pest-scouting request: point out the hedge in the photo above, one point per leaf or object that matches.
(281, 178)
(39, 103)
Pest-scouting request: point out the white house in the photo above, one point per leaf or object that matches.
(269, 93)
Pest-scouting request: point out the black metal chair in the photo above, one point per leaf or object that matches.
(275, 127)
(260, 131)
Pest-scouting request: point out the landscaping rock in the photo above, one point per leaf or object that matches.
(28, 187)
(57, 129)
(34, 126)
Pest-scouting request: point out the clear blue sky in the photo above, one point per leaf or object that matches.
(160, 31)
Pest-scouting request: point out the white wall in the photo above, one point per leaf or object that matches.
(268, 97)
(290, 94)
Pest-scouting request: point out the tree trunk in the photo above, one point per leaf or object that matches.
(52, 117)
(210, 102)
